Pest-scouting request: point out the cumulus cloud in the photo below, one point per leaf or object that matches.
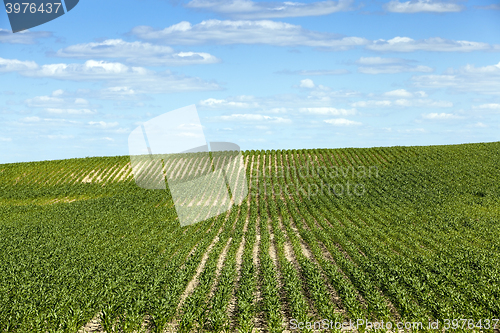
(378, 65)
(89, 71)
(419, 6)
(250, 117)
(71, 111)
(35, 120)
(247, 32)
(307, 83)
(403, 93)
(285, 34)
(58, 104)
(483, 80)
(398, 93)
(329, 111)
(316, 100)
(58, 92)
(434, 44)
(342, 122)
(240, 102)
(102, 124)
(114, 74)
(247, 9)
(44, 101)
(489, 106)
(55, 102)
(58, 137)
(440, 116)
(324, 94)
(403, 103)
(14, 65)
(365, 104)
(22, 37)
(137, 53)
(375, 61)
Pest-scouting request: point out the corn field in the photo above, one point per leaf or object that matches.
(397, 234)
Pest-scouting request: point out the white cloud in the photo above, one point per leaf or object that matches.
(115, 74)
(247, 9)
(325, 95)
(319, 97)
(435, 44)
(14, 65)
(285, 34)
(70, 111)
(378, 65)
(490, 106)
(57, 103)
(49, 121)
(342, 122)
(116, 93)
(31, 119)
(136, 52)
(58, 92)
(103, 124)
(418, 6)
(483, 80)
(430, 103)
(365, 104)
(113, 48)
(5, 139)
(247, 32)
(329, 111)
(412, 130)
(315, 72)
(306, 83)
(44, 101)
(403, 103)
(81, 101)
(480, 124)
(58, 137)
(394, 69)
(90, 70)
(440, 116)
(373, 61)
(241, 102)
(398, 93)
(22, 37)
(255, 117)
(403, 93)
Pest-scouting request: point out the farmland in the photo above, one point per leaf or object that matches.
(398, 234)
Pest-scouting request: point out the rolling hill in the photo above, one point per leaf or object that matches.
(395, 235)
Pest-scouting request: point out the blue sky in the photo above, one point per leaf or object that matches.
(264, 75)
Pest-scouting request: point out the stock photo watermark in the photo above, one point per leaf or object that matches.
(395, 326)
(25, 15)
(204, 179)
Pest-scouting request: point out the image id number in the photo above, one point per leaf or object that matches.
(27, 7)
